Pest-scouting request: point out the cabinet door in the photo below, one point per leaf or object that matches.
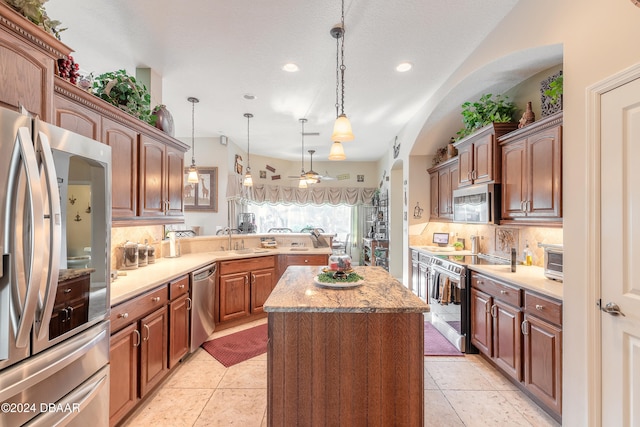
(453, 178)
(76, 118)
(153, 353)
(514, 185)
(543, 361)
(481, 322)
(507, 338)
(179, 311)
(444, 193)
(152, 177)
(483, 163)
(27, 77)
(465, 164)
(262, 283)
(234, 296)
(124, 168)
(175, 182)
(544, 174)
(123, 375)
(434, 188)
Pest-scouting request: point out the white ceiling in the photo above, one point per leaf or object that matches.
(220, 50)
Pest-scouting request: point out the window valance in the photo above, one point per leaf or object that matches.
(265, 193)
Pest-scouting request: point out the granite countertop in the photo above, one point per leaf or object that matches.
(72, 273)
(380, 293)
(135, 282)
(527, 277)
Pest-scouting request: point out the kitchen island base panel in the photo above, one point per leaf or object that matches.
(349, 368)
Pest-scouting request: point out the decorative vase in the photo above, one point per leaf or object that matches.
(528, 116)
(164, 119)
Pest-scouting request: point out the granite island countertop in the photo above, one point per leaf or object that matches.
(380, 293)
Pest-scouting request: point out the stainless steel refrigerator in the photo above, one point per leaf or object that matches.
(55, 209)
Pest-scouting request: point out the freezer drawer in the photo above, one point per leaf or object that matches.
(31, 386)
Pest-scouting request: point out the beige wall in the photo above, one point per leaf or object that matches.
(598, 39)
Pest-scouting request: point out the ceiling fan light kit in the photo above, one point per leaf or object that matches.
(192, 177)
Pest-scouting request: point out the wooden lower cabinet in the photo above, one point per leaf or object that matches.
(124, 359)
(284, 261)
(150, 335)
(523, 339)
(244, 286)
(153, 350)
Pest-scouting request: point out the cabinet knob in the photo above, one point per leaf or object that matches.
(539, 307)
(306, 260)
(123, 315)
(66, 291)
(155, 299)
(503, 292)
(181, 286)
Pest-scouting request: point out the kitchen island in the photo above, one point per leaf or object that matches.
(350, 356)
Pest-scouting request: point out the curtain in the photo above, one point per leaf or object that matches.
(264, 193)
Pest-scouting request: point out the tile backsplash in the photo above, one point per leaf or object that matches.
(494, 239)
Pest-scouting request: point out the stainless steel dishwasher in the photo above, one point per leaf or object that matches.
(203, 290)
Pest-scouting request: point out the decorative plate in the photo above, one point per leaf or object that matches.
(337, 285)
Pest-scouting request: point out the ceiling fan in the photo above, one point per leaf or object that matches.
(309, 177)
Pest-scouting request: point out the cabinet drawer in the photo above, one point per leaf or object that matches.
(307, 260)
(247, 264)
(72, 289)
(498, 290)
(544, 308)
(178, 287)
(132, 310)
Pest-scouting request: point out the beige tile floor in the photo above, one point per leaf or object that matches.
(459, 391)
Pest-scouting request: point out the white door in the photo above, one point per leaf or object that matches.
(620, 255)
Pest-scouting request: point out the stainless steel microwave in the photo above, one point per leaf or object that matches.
(553, 261)
(477, 204)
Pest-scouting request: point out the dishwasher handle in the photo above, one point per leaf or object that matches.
(204, 273)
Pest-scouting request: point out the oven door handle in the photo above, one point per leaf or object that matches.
(458, 280)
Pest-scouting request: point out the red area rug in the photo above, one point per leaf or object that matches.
(235, 348)
(435, 344)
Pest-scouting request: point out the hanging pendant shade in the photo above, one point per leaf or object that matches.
(337, 151)
(248, 180)
(193, 178)
(342, 129)
(302, 183)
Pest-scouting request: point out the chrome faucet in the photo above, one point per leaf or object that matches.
(228, 231)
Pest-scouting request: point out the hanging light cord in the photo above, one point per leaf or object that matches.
(337, 76)
(248, 116)
(342, 66)
(193, 126)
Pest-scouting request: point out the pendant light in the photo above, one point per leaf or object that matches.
(342, 128)
(303, 179)
(193, 178)
(248, 181)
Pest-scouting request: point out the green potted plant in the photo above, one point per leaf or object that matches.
(122, 90)
(34, 11)
(555, 89)
(488, 109)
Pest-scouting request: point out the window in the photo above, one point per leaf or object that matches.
(332, 219)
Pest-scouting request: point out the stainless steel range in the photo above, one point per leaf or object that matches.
(448, 296)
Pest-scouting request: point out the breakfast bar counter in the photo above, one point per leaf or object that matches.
(352, 356)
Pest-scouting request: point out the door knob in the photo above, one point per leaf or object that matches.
(613, 309)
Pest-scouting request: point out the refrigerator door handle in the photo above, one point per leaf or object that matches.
(24, 148)
(50, 281)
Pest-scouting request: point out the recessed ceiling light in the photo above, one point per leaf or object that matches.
(404, 66)
(249, 96)
(290, 67)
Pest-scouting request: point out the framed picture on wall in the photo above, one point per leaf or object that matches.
(202, 196)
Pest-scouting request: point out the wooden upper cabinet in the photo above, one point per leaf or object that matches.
(175, 181)
(479, 155)
(443, 179)
(124, 168)
(152, 177)
(532, 173)
(77, 118)
(27, 61)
